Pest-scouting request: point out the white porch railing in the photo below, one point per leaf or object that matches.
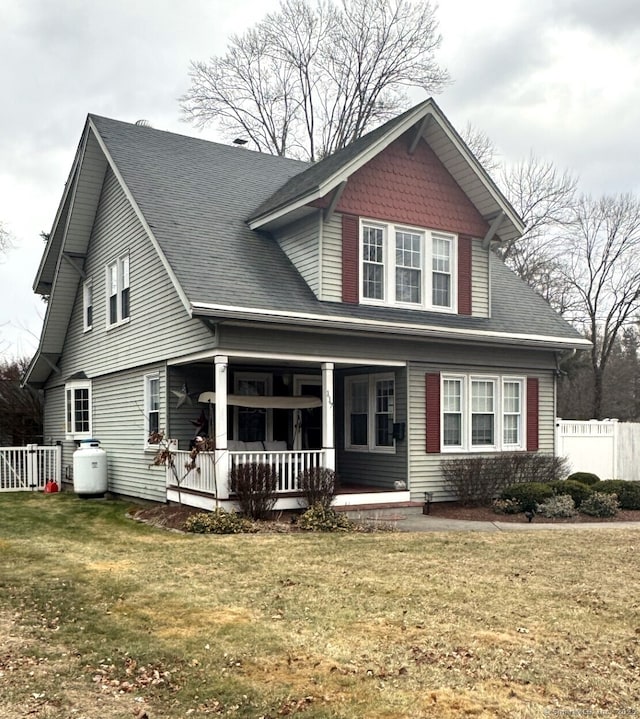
(288, 465)
(28, 468)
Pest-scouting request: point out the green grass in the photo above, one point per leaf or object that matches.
(101, 617)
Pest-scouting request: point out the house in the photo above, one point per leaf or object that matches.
(350, 313)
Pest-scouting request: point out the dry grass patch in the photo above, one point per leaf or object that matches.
(376, 626)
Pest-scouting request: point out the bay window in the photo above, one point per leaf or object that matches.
(407, 267)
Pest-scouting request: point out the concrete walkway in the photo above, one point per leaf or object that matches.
(427, 523)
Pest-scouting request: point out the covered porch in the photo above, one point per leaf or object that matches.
(282, 412)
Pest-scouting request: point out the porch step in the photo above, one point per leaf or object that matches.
(387, 512)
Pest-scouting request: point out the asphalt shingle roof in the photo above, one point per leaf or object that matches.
(197, 195)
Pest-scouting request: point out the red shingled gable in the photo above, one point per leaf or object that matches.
(413, 189)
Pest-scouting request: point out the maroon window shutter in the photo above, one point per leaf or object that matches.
(532, 414)
(432, 392)
(350, 272)
(464, 275)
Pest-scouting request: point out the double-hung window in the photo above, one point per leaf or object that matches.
(118, 290)
(369, 412)
(253, 424)
(407, 267)
(78, 409)
(151, 405)
(482, 413)
(87, 304)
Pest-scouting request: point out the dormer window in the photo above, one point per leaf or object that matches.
(407, 267)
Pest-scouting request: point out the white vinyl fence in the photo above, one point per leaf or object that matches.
(29, 468)
(608, 448)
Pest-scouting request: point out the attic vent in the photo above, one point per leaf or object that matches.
(143, 123)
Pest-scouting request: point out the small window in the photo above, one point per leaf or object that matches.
(512, 413)
(482, 413)
(151, 406)
(408, 267)
(373, 252)
(87, 294)
(441, 278)
(369, 413)
(78, 410)
(118, 290)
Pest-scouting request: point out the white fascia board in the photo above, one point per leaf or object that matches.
(345, 171)
(382, 326)
(141, 217)
(283, 357)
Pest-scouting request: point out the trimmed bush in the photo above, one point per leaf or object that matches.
(318, 485)
(255, 487)
(478, 480)
(218, 522)
(600, 504)
(528, 494)
(628, 492)
(576, 490)
(560, 506)
(325, 519)
(584, 478)
(506, 506)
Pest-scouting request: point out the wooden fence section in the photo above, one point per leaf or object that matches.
(29, 468)
(608, 448)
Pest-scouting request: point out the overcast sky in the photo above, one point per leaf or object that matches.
(559, 77)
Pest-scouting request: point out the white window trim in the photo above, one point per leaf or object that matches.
(389, 250)
(117, 262)
(69, 419)
(371, 413)
(148, 378)
(267, 377)
(87, 292)
(498, 410)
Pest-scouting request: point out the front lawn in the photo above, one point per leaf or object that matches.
(104, 617)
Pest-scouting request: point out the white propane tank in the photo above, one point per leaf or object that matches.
(90, 469)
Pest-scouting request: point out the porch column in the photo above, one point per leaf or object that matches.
(221, 363)
(328, 426)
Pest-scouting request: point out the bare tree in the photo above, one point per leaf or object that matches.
(5, 238)
(601, 267)
(311, 78)
(20, 408)
(545, 198)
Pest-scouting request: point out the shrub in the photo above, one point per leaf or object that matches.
(325, 519)
(217, 522)
(600, 504)
(255, 487)
(562, 505)
(628, 492)
(318, 485)
(576, 490)
(506, 506)
(478, 480)
(528, 494)
(584, 477)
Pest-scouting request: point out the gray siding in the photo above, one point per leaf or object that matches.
(118, 422)
(371, 468)
(300, 241)
(424, 468)
(480, 280)
(326, 346)
(331, 290)
(159, 327)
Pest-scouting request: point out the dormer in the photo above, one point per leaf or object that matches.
(404, 217)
